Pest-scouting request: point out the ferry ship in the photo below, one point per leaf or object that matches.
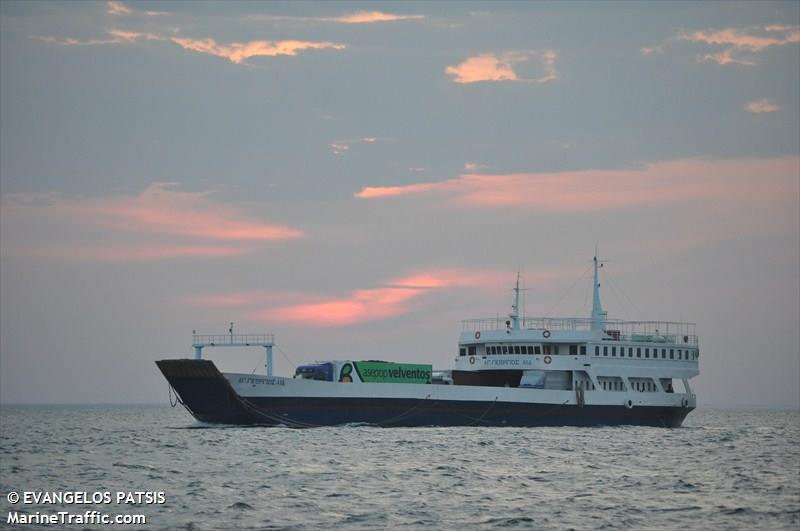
(518, 371)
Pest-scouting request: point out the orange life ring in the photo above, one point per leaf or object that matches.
(477, 335)
(548, 359)
(472, 360)
(546, 334)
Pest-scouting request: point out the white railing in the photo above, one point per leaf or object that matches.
(235, 340)
(615, 329)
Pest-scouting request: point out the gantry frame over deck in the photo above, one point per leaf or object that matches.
(201, 341)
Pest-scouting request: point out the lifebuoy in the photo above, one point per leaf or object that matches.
(472, 360)
(546, 334)
(548, 359)
(477, 335)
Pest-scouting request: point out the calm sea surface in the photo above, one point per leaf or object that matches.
(722, 470)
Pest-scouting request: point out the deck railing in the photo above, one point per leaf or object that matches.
(236, 340)
(615, 329)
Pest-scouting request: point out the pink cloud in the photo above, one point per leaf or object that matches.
(368, 17)
(738, 180)
(359, 17)
(131, 36)
(360, 306)
(126, 253)
(394, 297)
(490, 67)
(759, 106)
(237, 52)
(159, 223)
(397, 296)
(160, 209)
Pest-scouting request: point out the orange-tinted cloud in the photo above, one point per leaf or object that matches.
(394, 297)
(739, 180)
(117, 8)
(163, 210)
(734, 45)
(491, 67)
(359, 17)
(118, 36)
(237, 52)
(368, 17)
(131, 36)
(339, 147)
(759, 106)
(159, 223)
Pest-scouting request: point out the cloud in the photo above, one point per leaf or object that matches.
(369, 17)
(69, 41)
(340, 147)
(359, 17)
(740, 181)
(117, 8)
(126, 253)
(161, 222)
(734, 45)
(237, 52)
(490, 67)
(474, 166)
(118, 36)
(759, 106)
(395, 297)
(131, 36)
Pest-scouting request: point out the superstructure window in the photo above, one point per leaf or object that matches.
(516, 349)
(680, 353)
(537, 349)
(573, 350)
(583, 350)
(663, 353)
(605, 351)
(639, 352)
(646, 355)
(614, 351)
(462, 351)
(630, 352)
(472, 350)
(596, 350)
(505, 349)
(555, 349)
(671, 354)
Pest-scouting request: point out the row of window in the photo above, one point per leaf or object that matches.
(619, 385)
(574, 350)
(682, 354)
(532, 349)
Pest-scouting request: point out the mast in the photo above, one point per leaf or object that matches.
(598, 315)
(514, 315)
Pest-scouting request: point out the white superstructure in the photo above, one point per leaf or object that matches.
(602, 360)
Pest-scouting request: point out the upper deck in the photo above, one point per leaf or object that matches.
(613, 329)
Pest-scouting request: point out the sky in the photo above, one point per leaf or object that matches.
(357, 178)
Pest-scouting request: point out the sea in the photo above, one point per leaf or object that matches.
(724, 469)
